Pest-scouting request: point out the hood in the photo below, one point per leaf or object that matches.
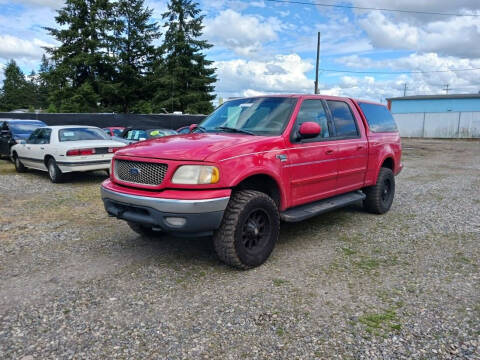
(195, 147)
(21, 136)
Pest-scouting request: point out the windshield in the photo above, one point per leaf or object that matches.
(80, 134)
(260, 116)
(24, 128)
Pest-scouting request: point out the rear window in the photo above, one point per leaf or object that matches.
(81, 134)
(379, 119)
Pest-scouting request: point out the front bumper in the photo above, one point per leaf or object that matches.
(199, 216)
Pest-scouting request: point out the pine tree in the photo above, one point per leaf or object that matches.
(185, 80)
(84, 55)
(16, 92)
(134, 54)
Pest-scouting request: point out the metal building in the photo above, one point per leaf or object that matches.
(437, 116)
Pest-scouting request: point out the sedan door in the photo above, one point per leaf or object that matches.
(312, 164)
(38, 148)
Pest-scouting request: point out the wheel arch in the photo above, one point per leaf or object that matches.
(263, 182)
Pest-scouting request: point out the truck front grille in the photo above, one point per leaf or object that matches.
(137, 172)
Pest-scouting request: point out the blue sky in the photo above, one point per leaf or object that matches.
(267, 47)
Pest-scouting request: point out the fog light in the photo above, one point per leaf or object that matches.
(176, 221)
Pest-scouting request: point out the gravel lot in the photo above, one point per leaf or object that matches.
(75, 283)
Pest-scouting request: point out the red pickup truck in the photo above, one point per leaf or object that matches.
(253, 163)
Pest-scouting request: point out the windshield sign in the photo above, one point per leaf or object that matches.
(255, 116)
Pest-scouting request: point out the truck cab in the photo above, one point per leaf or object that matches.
(253, 163)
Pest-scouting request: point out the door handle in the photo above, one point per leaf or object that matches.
(42, 148)
(328, 152)
(359, 147)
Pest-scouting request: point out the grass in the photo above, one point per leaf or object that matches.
(381, 322)
(279, 282)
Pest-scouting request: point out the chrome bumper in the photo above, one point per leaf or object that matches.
(168, 205)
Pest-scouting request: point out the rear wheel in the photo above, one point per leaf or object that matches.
(380, 196)
(249, 230)
(54, 171)
(145, 231)
(19, 167)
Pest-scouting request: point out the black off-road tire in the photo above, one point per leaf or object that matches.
(144, 231)
(251, 218)
(54, 172)
(19, 167)
(380, 196)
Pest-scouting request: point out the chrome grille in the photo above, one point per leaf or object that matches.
(138, 172)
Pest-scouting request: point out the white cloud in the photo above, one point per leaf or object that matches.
(54, 4)
(14, 47)
(281, 74)
(457, 36)
(244, 34)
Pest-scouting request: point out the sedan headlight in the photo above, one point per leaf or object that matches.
(196, 174)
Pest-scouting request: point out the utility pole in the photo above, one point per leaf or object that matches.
(446, 88)
(405, 89)
(316, 68)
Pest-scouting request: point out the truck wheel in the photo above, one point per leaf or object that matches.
(54, 171)
(19, 167)
(249, 230)
(143, 230)
(380, 196)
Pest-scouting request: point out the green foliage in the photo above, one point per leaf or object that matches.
(52, 109)
(185, 80)
(17, 92)
(107, 61)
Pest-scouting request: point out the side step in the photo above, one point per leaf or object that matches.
(306, 211)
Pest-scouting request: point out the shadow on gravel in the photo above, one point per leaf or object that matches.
(74, 178)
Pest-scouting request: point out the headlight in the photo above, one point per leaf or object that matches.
(196, 174)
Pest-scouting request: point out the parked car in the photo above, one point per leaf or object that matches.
(133, 135)
(254, 162)
(13, 131)
(65, 149)
(114, 130)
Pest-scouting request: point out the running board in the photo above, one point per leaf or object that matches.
(306, 211)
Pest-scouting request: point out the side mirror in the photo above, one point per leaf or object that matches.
(309, 130)
(193, 127)
(23, 142)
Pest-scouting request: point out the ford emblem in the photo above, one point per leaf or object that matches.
(134, 171)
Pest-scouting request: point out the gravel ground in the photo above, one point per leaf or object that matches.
(77, 284)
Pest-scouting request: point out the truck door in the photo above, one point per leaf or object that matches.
(312, 165)
(352, 151)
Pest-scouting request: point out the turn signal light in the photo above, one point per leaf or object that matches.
(80, 152)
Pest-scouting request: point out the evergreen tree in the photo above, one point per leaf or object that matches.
(134, 54)
(16, 92)
(185, 80)
(83, 61)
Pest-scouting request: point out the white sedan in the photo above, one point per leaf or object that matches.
(64, 149)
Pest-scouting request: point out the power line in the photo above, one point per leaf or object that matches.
(371, 8)
(396, 72)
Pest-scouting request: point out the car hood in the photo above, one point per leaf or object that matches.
(195, 147)
(21, 136)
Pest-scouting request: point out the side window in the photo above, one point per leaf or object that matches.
(33, 137)
(43, 136)
(345, 125)
(378, 117)
(313, 111)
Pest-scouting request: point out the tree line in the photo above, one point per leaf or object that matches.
(112, 57)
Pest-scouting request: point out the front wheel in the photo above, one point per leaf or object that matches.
(249, 230)
(380, 196)
(19, 167)
(54, 171)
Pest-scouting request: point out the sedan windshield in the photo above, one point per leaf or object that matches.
(255, 116)
(81, 134)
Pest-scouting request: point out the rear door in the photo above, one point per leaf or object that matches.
(352, 150)
(38, 148)
(312, 165)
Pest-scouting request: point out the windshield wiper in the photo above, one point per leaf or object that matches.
(227, 128)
